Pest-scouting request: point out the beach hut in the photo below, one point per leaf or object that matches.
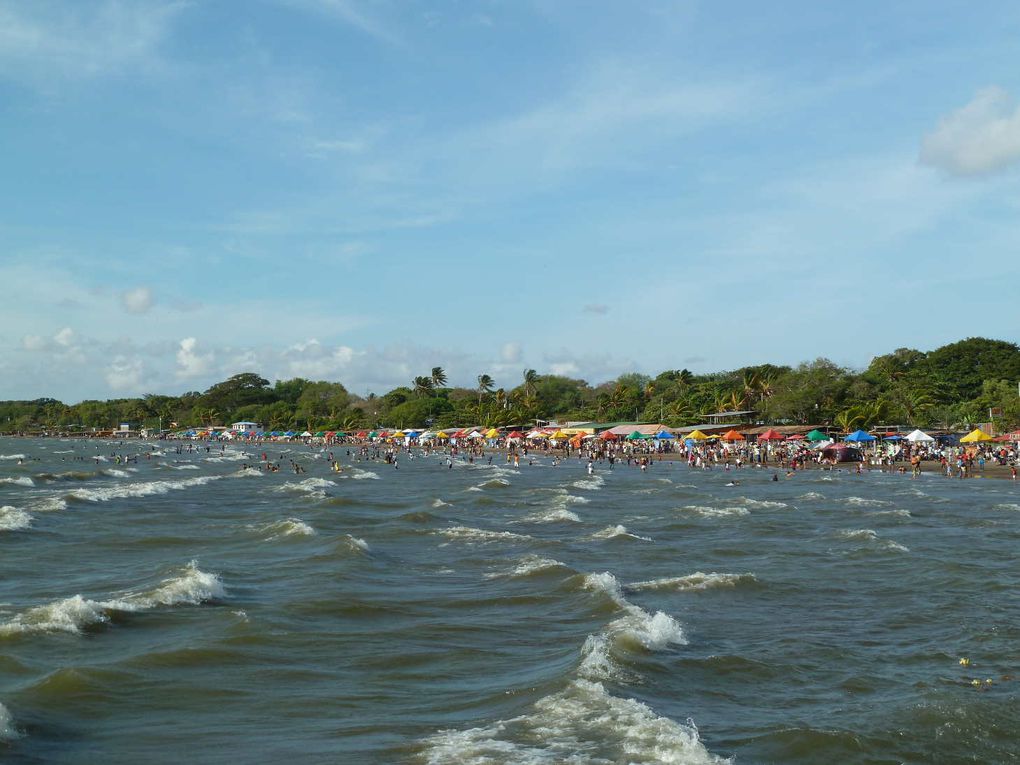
(975, 436)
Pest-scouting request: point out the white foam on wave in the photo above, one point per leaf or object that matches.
(763, 503)
(192, 586)
(19, 456)
(479, 536)
(230, 456)
(583, 723)
(529, 564)
(694, 582)
(715, 512)
(871, 537)
(22, 480)
(439, 503)
(811, 496)
(49, 505)
(361, 475)
(114, 473)
(7, 731)
(899, 513)
(617, 532)
(864, 502)
(13, 519)
(492, 483)
(1007, 506)
(357, 544)
(552, 515)
(186, 466)
(288, 527)
(250, 472)
(313, 486)
(636, 628)
(140, 489)
(591, 483)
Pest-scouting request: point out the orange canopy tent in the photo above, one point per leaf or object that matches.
(732, 436)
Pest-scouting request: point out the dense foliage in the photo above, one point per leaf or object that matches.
(951, 387)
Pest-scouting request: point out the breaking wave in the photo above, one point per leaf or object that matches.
(140, 489)
(73, 614)
(870, 537)
(715, 512)
(7, 731)
(583, 723)
(694, 582)
(526, 566)
(23, 480)
(289, 527)
(618, 532)
(13, 519)
(479, 536)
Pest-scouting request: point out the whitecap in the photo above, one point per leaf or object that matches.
(481, 536)
(552, 515)
(360, 475)
(140, 489)
(864, 502)
(715, 512)
(761, 503)
(871, 537)
(357, 544)
(1006, 506)
(440, 503)
(13, 519)
(529, 564)
(188, 466)
(583, 723)
(75, 613)
(694, 582)
(7, 730)
(23, 480)
(114, 473)
(615, 532)
(250, 472)
(288, 528)
(49, 505)
(592, 483)
(313, 486)
(19, 456)
(811, 496)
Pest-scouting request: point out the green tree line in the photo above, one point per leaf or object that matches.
(951, 387)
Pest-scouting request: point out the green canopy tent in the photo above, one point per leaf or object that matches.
(816, 435)
(636, 436)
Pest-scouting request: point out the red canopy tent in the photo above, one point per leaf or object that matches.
(515, 434)
(771, 435)
(607, 435)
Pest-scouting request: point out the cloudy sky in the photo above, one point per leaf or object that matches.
(360, 190)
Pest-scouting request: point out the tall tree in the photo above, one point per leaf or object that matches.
(438, 377)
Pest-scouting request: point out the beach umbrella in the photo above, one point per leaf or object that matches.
(664, 435)
(816, 435)
(860, 435)
(771, 435)
(733, 436)
(919, 436)
(975, 436)
(696, 435)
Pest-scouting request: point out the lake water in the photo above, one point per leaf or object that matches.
(181, 608)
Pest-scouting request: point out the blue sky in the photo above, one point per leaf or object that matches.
(360, 190)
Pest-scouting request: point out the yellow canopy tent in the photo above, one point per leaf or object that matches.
(559, 435)
(697, 435)
(492, 433)
(975, 436)
(442, 435)
(398, 434)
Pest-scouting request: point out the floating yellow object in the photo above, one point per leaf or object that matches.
(975, 683)
(964, 662)
(988, 681)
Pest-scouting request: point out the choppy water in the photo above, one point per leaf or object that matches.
(181, 607)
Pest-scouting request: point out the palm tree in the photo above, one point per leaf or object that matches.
(485, 385)
(438, 377)
(847, 420)
(423, 386)
(530, 381)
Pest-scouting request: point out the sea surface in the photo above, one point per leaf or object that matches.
(182, 608)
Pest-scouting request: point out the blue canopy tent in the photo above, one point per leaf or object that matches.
(663, 434)
(893, 438)
(860, 435)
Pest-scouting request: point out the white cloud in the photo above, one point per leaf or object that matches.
(510, 353)
(64, 337)
(981, 138)
(189, 362)
(137, 300)
(125, 374)
(42, 39)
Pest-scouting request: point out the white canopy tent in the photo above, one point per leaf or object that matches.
(919, 436)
